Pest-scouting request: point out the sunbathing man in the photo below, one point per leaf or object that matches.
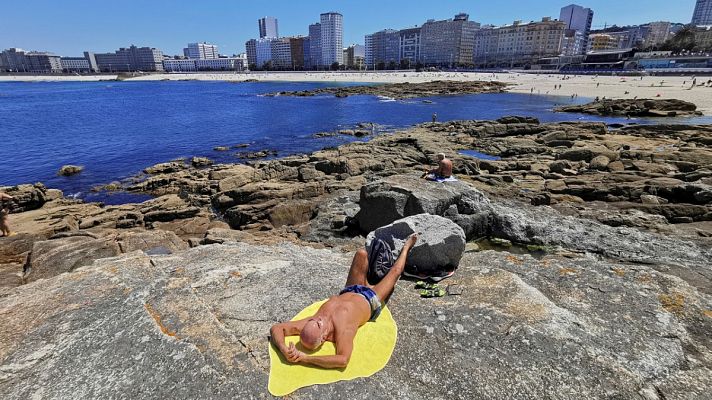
(443, 171)
(340, 317)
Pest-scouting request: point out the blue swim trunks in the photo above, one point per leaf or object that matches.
(367, 294)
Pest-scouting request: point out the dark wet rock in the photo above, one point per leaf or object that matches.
(406, 90)
(635, 108)
(69, 170)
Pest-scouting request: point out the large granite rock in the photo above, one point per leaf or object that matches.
(194, 325)
(406, 90)
(399, 196)
(635, 108)
(439, 247)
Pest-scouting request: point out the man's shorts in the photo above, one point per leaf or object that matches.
(367, 294)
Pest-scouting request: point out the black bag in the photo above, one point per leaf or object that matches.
(380, 261)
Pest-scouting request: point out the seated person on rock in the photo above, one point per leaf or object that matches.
(339, 319)
(5, 200)
(443, 171)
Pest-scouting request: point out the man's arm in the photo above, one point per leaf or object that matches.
(344, 348)
(279, 331)
(5, 196)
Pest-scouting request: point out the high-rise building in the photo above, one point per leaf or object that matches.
(382, 49)
(579, 19)
(572, 43)
(296, 45)
(518, 44)
(448, 42)
(281, 50)
(332, 38)
(703, 13)
(263, 53)
(201, 51)
(268, 28)
(315, 45)
(410, 45)
(251, 52)
(130, 59)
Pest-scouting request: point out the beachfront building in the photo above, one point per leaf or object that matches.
(602, 42)
(354, 56)
(281, 52)
(409, 46)
(449, 42)
(130, 58)
(703, 13)
(263, 53)
(332, 38)
(299, 56)
(518, 44)
(703, 38)
(657, 33)
(268, 28)
(75, 65)
(251, 52)
(579, 19)
(210, 64)
(382, 49)
(201, 51)
(18, 60)
(572, 43)
(315, 45)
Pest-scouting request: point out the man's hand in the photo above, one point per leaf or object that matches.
(293, 355)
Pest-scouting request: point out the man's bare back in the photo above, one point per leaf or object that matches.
(339, 318)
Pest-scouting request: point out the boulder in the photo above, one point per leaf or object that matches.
(165, 168)
(150, 242)
(69, 170)
(440, 244)
(199, 162)
(599, 163)
(53, 257)
(399, 196)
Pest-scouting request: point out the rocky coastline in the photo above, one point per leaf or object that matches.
(635, 108)
(405, 90)
(619, 305)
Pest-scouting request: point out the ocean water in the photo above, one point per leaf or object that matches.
(116, 129)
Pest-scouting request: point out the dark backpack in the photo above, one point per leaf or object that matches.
(380, 261)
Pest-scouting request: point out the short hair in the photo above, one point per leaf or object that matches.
(441, 155)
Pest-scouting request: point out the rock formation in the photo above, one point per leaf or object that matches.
(406, 90)
(97, 300)
(635, 108)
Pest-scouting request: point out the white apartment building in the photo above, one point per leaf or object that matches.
(75, 64)
(201, 51)
(281, 53)
(212, 64)
(332, 38)
(519, 44)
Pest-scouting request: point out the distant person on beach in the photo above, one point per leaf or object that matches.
(339, 319)
(435, 117)
(5, 200)
(443, 171)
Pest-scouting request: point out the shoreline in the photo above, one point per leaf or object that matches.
(610, 87)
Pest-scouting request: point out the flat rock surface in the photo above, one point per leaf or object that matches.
(194, 325)
(635, 108)
(406, 90)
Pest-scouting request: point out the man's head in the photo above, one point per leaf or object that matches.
(313, 333)
(441, 156)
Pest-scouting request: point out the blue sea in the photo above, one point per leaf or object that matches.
(116, 129)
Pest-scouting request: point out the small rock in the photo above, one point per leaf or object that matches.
(69, 170)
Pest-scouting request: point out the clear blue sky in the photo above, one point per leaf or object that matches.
(68, 27)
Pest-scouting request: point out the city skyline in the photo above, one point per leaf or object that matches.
(69, 29)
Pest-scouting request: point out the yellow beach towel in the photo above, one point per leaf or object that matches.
(373, 347)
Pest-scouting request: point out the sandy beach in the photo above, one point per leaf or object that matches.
(612, 87)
